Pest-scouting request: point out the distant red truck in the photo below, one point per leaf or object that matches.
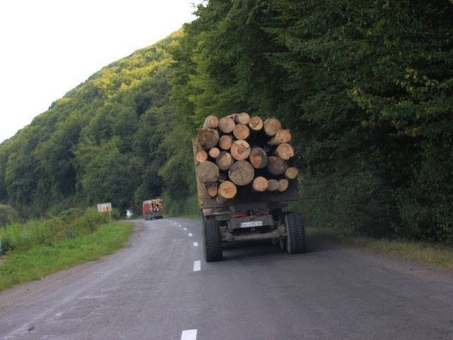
(153, 209)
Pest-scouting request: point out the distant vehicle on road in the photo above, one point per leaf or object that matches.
(153, 209)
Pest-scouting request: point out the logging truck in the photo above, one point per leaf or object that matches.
(153, 209)
(245, 178)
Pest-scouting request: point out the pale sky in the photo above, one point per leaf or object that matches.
(48, 47)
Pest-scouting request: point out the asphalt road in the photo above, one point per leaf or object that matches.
(159, 287)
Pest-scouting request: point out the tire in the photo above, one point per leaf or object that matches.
(295, 240)
(212, 241)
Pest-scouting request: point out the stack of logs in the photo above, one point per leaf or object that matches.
(239, 150)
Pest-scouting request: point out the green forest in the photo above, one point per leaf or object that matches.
(366, 88)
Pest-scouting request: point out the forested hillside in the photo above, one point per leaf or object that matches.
(366, 88)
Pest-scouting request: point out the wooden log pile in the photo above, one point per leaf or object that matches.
(238, 150)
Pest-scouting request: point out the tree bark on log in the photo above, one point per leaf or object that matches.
(208, 138)
(282, 136)
(241, 173)
(240, 150)
(256, 123)
(226, 124)
(207, 172)
(225, 142)
(241, 131)
(211, 122)
(258, 158)
(227, 190)
(291, 173)
(276, 166)
(284, 151)
(224, 161)
(260, 184)
(271, 126)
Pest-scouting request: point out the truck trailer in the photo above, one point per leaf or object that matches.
(153, 209)
(244, 183)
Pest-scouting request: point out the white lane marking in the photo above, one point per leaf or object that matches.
(189, 334)
(196, 266)
(195, 244)
(190, 235)
(179, 225)
(185, 229)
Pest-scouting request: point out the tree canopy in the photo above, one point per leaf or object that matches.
(365, 86)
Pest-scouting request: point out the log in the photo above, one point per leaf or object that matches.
(225, 142)
(226, 124)
(241, 173)
(208, 138)
(224, 161)
(283, 184)
(272, 184)
(241, 131)
(214, 152)
(211, 122)
(284, 151)
(212, 189)
(258, 157)
(227, 190)
(292, 172)
(241, 118)
(260, 184)
(271, 126)
(201, 156)
(256, 123)
(276, 165)
(282, 136)
(240, 150)
(207, 172)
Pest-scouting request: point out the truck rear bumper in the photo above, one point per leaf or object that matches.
(275, 234)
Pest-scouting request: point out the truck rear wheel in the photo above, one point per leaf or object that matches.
(295, 240)
(212, 241)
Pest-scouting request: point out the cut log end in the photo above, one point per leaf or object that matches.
(241, 173)
(208, 138)
(227, 190)
(207, 172)
(260, 184)
(271, 126)
(226, 124)
(201, 156)
(256, 123)
(258, 158)
(284, 151)
(211, 122)
(240, 150)
(225, 142)
(291, 173)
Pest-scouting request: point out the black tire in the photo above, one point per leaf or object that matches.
(212, 241)
(295, 240)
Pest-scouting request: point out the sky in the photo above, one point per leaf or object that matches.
(48, 47)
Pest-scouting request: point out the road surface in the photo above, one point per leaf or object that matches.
(159, 287)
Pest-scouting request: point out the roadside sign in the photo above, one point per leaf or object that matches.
(105, 207)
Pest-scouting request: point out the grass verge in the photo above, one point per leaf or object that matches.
(433, 255)
(37, 262)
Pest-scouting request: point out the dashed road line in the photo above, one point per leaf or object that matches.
(190, 235)
(189, 334)
(195, 244)
(196, 266)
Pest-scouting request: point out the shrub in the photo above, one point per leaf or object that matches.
(7, 215)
